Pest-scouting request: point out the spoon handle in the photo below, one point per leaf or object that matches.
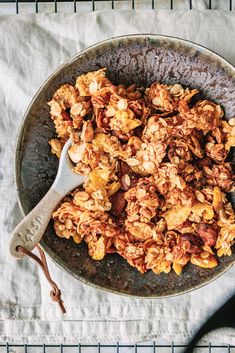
(30, 230)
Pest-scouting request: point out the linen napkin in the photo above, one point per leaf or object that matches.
(31, 48)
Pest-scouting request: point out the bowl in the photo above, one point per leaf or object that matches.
(140, 59)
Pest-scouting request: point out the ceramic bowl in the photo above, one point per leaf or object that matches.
(140, 59)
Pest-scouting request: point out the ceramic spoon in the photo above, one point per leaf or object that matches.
(30, 230)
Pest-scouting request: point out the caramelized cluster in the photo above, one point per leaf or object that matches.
(156, 173)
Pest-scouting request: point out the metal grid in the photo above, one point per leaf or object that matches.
(81, 6)
(152, 347)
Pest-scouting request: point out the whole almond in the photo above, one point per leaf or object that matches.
(118, 203)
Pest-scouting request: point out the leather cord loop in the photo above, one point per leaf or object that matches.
(42, 262)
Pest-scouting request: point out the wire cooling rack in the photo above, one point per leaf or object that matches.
(83, 6)
(152, 347)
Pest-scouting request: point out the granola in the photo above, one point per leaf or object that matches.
(157, 173)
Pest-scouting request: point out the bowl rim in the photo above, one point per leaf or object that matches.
(21, 130)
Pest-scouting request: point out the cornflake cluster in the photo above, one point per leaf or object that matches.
(156, 173)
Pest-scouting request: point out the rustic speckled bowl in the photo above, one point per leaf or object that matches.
(142, 59)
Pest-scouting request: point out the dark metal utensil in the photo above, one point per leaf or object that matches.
(223, 317)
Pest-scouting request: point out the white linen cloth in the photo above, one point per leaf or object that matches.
(31, 48)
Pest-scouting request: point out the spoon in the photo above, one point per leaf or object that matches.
(30, 230)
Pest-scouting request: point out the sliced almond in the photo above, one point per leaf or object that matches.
(127, 179)
(208, 107)
(140, 193)
(169, 257)
(232, 122)
(132, 162)
(55, 108)
(208, 170)
(156, 101)
(76, 152)
(110, 111)
(175, 160)
(176, 89)
(68, 223)
(76, 109)
(122, 104)
(149, 166)
(56, 145)
(200, 196)
(93, 87)
(81, 196)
